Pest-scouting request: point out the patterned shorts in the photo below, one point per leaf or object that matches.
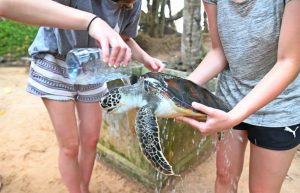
(48, 78)
(274, 138)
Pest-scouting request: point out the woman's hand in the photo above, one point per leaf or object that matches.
(143, 57)
(217, 120)
(107, 38)
(153, 64)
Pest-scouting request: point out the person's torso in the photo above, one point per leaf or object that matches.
(249, 33)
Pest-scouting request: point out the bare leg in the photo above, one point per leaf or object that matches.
(90, 117)
(268, 169)
(230, 160)
(63, 119)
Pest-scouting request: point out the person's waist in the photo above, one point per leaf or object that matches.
(56, 55)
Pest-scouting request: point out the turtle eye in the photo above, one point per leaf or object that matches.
(104, 101)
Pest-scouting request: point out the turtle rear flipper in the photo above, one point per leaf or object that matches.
(148, 134)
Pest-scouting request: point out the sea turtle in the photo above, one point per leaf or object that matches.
(158, 95)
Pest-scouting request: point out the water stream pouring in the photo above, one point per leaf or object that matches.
(85, 66)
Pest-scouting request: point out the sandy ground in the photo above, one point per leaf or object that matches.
(28, 152)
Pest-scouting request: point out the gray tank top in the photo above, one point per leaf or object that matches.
(249, 33)
(60, 41)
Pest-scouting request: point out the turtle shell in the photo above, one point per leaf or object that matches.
(182, 91)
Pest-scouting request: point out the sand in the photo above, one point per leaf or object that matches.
(28, 152)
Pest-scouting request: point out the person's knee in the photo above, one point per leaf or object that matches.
(259, 189)
(256, 189)
(90, 141)
(264, 187)
(70, 150)
(225, 176)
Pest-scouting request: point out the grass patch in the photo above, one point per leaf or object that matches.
(15, 39)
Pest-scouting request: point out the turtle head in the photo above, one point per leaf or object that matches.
(122, 99)
(111, 101)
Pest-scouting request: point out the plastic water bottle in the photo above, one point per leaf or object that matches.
(85, 66)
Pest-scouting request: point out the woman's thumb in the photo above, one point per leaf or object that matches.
(202, 108)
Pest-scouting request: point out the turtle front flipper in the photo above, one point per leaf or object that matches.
(148, 134)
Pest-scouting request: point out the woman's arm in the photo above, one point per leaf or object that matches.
(214, 61)
(285, 70)
(53, 14)
(45, 13)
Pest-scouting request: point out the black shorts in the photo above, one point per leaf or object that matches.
(274, 138)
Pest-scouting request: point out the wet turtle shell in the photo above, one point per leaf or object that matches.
(181, 91)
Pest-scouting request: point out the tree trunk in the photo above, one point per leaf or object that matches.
(153, 13)
(162, 19)
(154, 22)
(191, 36)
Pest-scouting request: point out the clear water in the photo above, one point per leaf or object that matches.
(85, 66)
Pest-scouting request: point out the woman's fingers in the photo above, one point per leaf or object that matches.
(124, 55)
(194, 123)
(105, 49)
(161, 66)
(114, 50)
(217, 120)
(127, 57)
(202, 108)
(154, 64)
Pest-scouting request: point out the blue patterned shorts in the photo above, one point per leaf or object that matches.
(48, 78)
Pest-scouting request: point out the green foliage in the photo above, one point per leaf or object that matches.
(15, 38)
